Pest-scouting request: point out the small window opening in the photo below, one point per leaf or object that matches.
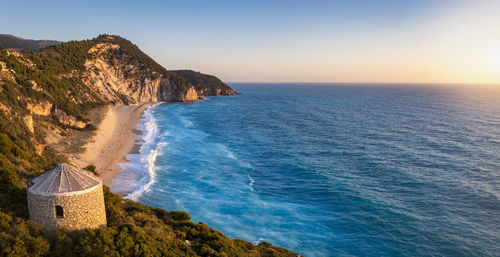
(59, 211)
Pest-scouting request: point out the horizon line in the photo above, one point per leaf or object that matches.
(367, 82)
(360, 83)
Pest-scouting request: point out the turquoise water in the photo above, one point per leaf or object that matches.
(332, 170)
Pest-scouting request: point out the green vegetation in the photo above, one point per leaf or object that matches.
(18, 161)
(133, 228)
(19, 237)
(91, 168)
(138, 230)
(55, 90)
(62, 58)
(68, 57)
(205, 83)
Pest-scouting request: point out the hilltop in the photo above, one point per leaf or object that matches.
(51, 94)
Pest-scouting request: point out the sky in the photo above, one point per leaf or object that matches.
(410, 41)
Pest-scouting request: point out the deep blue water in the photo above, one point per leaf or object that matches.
(337, 170)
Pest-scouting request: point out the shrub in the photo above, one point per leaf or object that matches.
(5, 144)
(91, 168)
(179, 215)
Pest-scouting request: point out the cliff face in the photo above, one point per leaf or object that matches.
(55, 87)
(119, 77)
(110, 69)
(206, 85)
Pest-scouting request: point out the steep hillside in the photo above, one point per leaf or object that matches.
(17, 43)
(62, 82)
(115, 70)
(205, 84)
(49, 93)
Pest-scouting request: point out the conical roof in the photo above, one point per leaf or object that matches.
(63, 179)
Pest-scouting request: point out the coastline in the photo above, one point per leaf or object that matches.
(137, 172)
(114, 139)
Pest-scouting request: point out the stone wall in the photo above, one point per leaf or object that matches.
(81, 209)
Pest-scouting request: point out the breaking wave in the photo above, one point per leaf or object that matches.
(139, 172)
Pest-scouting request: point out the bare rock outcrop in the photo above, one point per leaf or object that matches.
(28, 121)
(68, 120)
(191, 95)
(43, 108)
(120, 78)
(39, 148)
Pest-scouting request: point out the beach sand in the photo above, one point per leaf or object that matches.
(114, 139)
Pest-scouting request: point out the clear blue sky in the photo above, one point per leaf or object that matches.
(398, 41)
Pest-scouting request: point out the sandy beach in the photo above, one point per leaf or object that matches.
(115, 137)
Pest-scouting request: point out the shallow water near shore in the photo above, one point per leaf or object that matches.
(137, 175)
(332, 170)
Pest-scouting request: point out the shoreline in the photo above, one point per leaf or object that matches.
(114, 139)
(137, 170)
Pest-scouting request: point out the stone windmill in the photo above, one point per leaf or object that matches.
(67, 197)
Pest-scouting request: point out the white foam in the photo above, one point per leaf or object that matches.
(250, 182)
(160, 147)
(138, 173)
(186, 122)
(258, 241)
(226, 151)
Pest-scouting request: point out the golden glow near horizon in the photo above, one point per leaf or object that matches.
(461, 46)
(459, 43)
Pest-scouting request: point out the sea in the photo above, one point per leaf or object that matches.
(331, 169)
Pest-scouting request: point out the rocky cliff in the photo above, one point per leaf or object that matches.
(206, 85)
(119, 76)
(119, 71)
(59, 84)
(63, 80)
(110, 69)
